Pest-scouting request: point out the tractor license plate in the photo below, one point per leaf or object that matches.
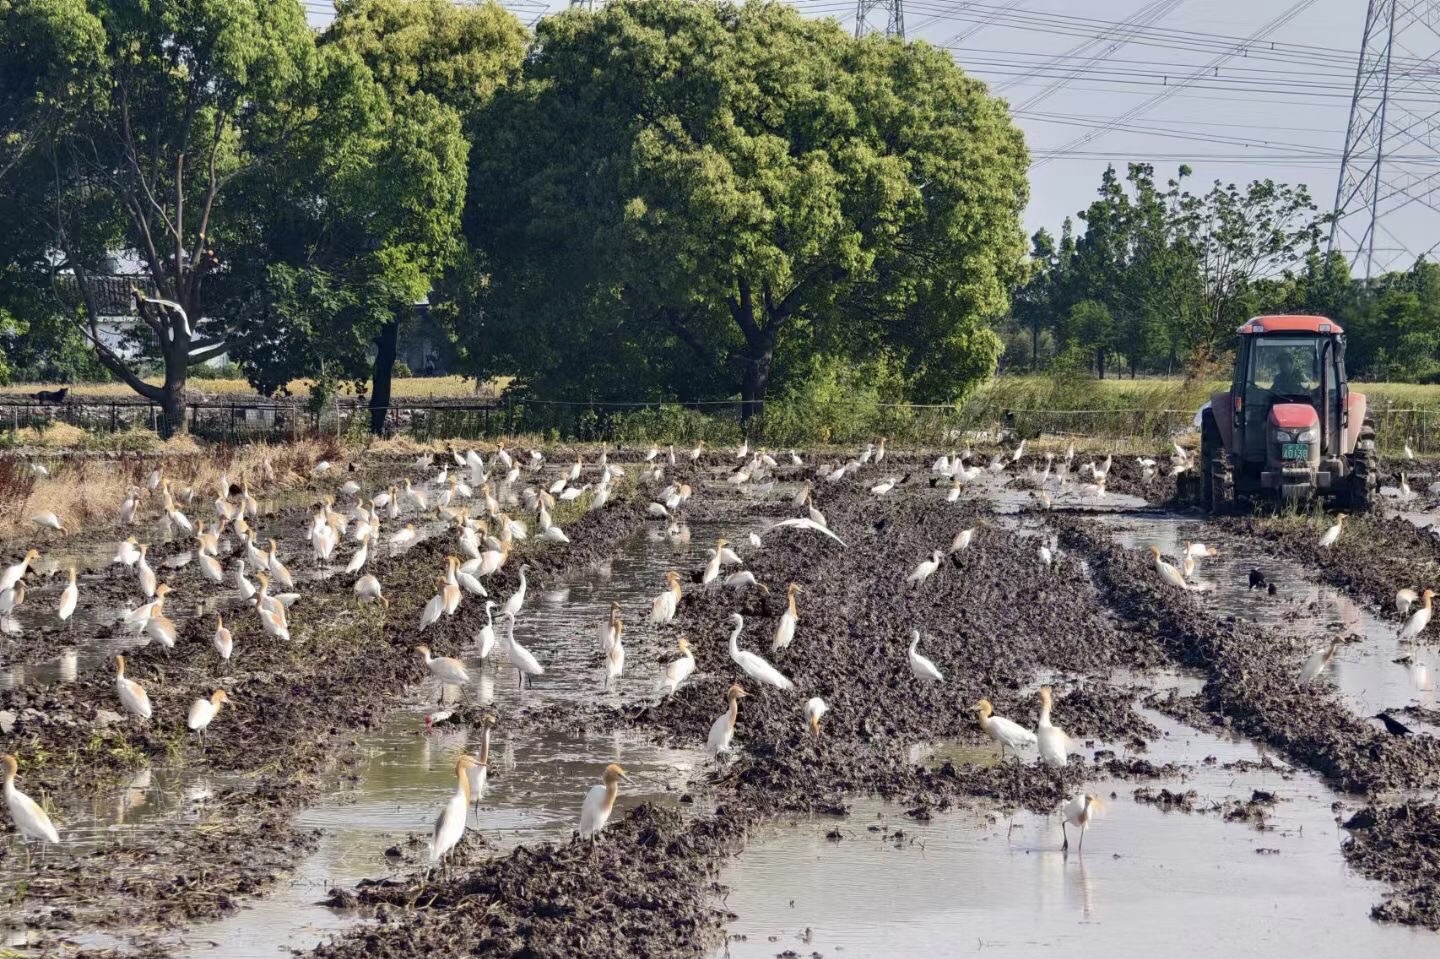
(1294, 451)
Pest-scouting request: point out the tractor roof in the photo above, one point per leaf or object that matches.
(1290, 324)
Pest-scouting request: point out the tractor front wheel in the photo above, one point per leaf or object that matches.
(1214, 465)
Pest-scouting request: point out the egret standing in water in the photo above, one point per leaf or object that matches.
(69, 598)
(600, 802)
(447, 669)
(1168, 573)
(1002, 730)
(450, 824)
(1317, 662)
(1077, 812)
(31, 821)
(1419, 619)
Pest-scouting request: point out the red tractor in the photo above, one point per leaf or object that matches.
(1289, 427)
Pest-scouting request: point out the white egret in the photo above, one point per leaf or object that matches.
(517, 598)
(785, 630)
(485, 639)
(1169, 574)
(815, 708)
(48, 520)
(615, 655)
(677, 670)
(1419, 619)
(12, 574)
(447, 669)
(753, 665)
(1054, 744)
(132, 694)
(962, 540)
(925, 570)
(31, 820)
(1404, 599)
(1328, 538)
(203, 711)
(367, 587)
(434, 609)
(450, 824)
(722, 730)
(128, 552)
(222, 641)
(1079, 811)
(524, 661)
(600, 802)
(68, 598)
(1002, 730)
(663, 607)
(921, 665)
(1317, 662)
(803, 523)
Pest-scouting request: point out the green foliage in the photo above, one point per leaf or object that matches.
(698, 192)
(671, 423)
(1177, 271)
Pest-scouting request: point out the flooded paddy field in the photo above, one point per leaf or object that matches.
(1234, 801)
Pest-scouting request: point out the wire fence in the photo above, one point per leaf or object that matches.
(834, 421)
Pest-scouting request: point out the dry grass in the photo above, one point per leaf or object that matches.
(86, 493)
(55, 435)
(410, 388)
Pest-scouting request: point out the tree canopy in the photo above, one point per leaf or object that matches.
(677, 196)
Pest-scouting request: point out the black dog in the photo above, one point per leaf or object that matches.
(51, 397)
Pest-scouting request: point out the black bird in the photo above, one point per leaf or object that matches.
(1393, 725)
(1257, 579)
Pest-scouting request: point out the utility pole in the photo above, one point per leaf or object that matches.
(1389, 183)
(867, 17)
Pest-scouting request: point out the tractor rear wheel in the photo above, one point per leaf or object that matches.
(1364, 476)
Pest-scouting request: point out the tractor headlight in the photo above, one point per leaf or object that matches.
(1307, 436)
(1282, 436)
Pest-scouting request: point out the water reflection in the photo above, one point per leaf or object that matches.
(1373, 672)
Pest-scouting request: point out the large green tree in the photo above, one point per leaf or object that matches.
(680, 192)
(126, 125)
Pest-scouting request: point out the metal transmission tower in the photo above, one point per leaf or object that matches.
(866, 19)
(1389, 184)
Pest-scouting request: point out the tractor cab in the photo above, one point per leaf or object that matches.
(1289, 426)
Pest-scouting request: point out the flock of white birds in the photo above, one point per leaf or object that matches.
(504, 488)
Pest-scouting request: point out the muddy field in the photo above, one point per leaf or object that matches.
(1178, 703)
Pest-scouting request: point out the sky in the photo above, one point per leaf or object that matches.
(1238, 90)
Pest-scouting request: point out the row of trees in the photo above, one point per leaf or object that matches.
(1161, 277)
(661, 199)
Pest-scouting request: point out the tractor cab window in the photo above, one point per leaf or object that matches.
(1285, 366)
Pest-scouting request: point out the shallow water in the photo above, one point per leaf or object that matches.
(1188, 884)
(406, 775)
(1364, 671)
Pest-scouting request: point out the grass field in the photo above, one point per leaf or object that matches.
(1138, 411)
